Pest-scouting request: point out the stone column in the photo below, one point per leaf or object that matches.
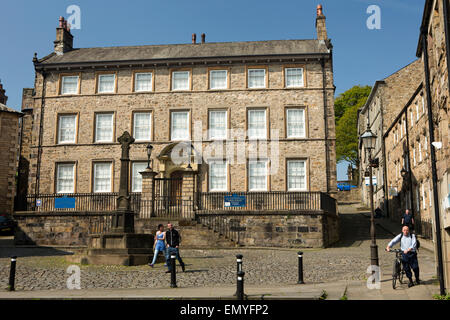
(123, 219)
(187, 193)
(148, 193)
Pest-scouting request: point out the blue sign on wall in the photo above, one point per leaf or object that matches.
(65, 203)
(235, 201)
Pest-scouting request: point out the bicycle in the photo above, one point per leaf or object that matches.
(398, 272)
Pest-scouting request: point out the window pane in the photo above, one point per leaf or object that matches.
(180, 80)
(218, 79)
(218, 176)
(136, 178)
(296, 123)
(256, 78)
(257, 179)
(180, 126)
(69, 85)
(142, 126)
(143, 82)
(294, 77)
(67, 125)
(106, 83)
(257, 124)
(102, 177)
(296, 175)
(65, 178)
(218, 124)
(104, 128)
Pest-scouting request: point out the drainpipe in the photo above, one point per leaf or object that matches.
(41, 122)
(383, 154)
(424, 35)
(408, 154)
(325, 119)
(447, 34)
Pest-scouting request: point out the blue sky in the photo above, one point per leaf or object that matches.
(361, 56)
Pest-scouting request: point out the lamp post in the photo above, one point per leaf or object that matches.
(369, 139)
(149, 153)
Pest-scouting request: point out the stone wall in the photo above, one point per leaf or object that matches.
(9, 148)
(261, 230)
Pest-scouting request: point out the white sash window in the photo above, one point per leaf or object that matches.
(102, 177)
(67, 128)
(257, 78)
(69, 85)
(295, 123)
(143, 82)
(257, 175)
(180, 125)
(142, 126)
(294, 77)
(218, 79)
(257, 128)
(217, 124)
(65, 178)
(104, 127)
(218, 175)
(296, 175)
(136, 177)
(180, 80)
(106, 83)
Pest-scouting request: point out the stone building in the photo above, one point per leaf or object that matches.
(434, 49)
(255, 118)
(387, 98)
(85, 98)
(9, 149)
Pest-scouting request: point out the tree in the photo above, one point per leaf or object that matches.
(350, 98)
(347, 106)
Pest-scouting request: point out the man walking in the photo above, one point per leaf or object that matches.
(173, 243)
(408, 244)
(408, 220)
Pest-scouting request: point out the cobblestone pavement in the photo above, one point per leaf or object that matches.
(45, 268)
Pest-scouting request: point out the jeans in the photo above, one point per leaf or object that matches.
(155, 254)
(409, 262)
(169, 252)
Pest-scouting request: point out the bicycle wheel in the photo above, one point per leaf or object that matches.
(394, 275)
(401, 273)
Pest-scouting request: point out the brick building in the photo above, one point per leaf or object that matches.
(434, 49)
(9, 148)
(387, 98)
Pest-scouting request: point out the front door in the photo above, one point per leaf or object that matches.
(176, 182)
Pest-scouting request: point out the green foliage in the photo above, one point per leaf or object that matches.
(352, 97)
(347, 106)
(324, 295)
(440, 297)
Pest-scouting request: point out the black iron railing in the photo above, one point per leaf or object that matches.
(88, 202)
(424, 227)
(223, 226)
(267, 201)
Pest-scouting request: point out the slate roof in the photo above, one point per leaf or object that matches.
(4, 108)
(188, 51)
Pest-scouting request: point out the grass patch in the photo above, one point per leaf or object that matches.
(324, 295)
(441, 297)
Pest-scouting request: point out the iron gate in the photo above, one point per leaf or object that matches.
(168, 200)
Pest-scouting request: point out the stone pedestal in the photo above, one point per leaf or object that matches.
(127, 249)
(148, 193)
(187, 194)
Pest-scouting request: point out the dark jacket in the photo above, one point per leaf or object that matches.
(173, 238)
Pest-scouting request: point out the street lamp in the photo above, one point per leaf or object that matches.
(369, 139)
(149, 153)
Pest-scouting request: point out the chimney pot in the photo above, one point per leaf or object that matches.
(194, 38)
(61, 22)
(203, 37)
(319, 10)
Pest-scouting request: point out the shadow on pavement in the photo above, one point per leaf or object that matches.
(7, 252)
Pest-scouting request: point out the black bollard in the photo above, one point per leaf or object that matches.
(12, 274)
(238, 266)
(300, 268)
(240, 285)
(173, 271)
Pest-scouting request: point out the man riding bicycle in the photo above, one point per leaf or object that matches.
(408, 244)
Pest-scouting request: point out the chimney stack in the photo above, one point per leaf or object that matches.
(194, 38)
(3, 97)
(64, 39)
(320, 24)
(203, 37)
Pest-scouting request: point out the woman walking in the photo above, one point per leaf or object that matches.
(159, 244)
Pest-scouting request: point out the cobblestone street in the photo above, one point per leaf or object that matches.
(45, 268)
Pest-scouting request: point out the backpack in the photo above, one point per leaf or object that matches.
(417, 240)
